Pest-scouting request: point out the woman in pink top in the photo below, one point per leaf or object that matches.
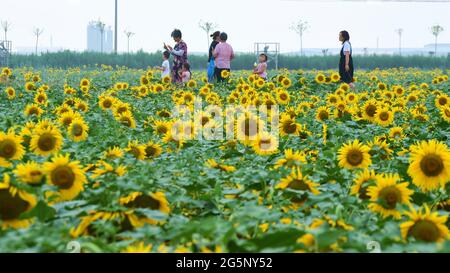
(261, 69)
(223, 54)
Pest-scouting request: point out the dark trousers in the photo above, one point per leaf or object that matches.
(218, 73)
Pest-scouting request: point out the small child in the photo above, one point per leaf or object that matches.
(185, 73)
(165, 67)
(261, 68)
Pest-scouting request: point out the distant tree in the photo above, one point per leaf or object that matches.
(207, 27)
(128, 34)
(300, 27)
(436, 30)
(37, 32)
(6, 26)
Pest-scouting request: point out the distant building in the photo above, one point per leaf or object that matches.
(95, 38)
(442, 49)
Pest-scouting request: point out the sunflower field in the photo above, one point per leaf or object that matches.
(103, 159)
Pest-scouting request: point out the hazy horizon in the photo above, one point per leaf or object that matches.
(65, 22)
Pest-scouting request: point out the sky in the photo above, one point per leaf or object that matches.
(246, 22)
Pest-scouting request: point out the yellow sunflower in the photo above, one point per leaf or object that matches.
(442, 100)
(297, 181)
(265, 144)
(162, 127)
(138, 248)
(113, 152)
(153, 201)
(445, 113)
(388, 194)
(13, 203)
(30, 172)
(429, 165)
(384, 117)
(354, 155)
(67, 117)
(211, 163)
(248, 127)
(46, 141)
(362, 181)
(136, 149)
(10, 92)
(33, 110)
(291, 159)
(370, 109)
(152, 150)
(288, 125)
(78, 130)
(396, 133)
(67, 176)
(424, 225)
(11, 146)
(126, 119)
(323, 113)
(106, 102)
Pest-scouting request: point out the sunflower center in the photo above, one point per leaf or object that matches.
(384, 116)
(323, 115)
(162, 129)
(299, 185)
(442, 101)
(107, 103)
(290, 127)
(205, 120)
(63, 177)
(391, 196)
(67, 121)
(126, 121)
(355, 157)
(46, 142)
(265, 143)
(11, 206)
(150, 151)
(249, 127)
(7, 149)
(77, 130)
(35, 173)
(431, 165)
(447, 112)
(363, 193)
(424, 230)
(33, 111)
(144, 201)
(371, 110)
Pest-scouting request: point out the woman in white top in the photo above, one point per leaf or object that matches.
(346, 62)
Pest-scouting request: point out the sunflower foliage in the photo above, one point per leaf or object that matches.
(94, 156)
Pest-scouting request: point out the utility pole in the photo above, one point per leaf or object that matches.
(115, 29)
(399, 32)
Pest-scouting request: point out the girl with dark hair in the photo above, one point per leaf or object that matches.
(179, 53)
(261, 68)
(346, 62)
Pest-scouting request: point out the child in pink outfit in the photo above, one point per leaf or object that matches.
(261, 69)
(185, 73)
